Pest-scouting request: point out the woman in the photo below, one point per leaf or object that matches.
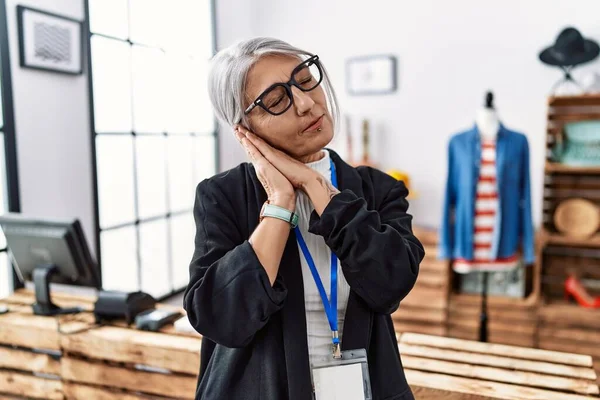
(252, 293)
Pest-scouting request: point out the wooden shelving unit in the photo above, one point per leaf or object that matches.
(562, 325)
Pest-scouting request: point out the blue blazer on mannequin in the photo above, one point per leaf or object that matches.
(513, 225)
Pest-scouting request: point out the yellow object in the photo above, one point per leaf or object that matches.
(400, 176)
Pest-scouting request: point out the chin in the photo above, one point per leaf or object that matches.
(317, 141)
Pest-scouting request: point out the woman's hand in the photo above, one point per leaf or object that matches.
(316, 187)
(280, 191)
(296, 172)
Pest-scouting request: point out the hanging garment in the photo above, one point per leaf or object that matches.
(512, 222)
(486, 209)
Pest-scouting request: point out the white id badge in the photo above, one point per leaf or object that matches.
(345, 378)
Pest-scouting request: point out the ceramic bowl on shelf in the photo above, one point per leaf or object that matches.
(581, 146)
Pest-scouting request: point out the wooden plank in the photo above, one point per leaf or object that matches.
(28, 361)
(563, 314)
(423, 393)
(30, 386)
(531, 379)
(498, 349)
(471, 332)
(471, 300)
(26, 297)
(558, 168)
(593, 349)
(30, 331)
(430, 263)
(499, 327)
(558, 239)
(78, 322)
(401, 326)
(174, 353)
(496, 361)
(574, 334)
(512, 340)
(171, 385)
(575, 117)
(494, 390)
(502, 327)
(575, 100)
(427, 236)
(496, 314)
(76, 391)
(420, 297)
(432, 280)
(430, 315)
(459, 333)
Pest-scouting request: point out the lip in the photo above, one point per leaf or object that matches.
(314, 125)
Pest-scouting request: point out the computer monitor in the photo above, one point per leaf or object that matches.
(45, 250)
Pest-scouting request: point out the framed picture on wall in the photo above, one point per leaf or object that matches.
(50, 42)
(371, 75)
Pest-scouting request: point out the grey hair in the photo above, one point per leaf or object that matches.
(229, 69)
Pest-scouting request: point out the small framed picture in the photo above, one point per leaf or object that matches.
(50, 42)
(371, 75)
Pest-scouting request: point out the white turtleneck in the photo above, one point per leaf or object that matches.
(317, 325)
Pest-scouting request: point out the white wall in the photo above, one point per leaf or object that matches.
(52, 130)
(449, 53)
(234, 21)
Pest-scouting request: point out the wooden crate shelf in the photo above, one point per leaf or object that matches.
(558, 239)
(574, 101)
(565, 326)
(554, 167)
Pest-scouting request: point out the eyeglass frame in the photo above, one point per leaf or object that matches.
(288, 87)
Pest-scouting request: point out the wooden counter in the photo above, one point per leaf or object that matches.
(70, 357)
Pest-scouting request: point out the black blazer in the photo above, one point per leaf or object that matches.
(254, 344)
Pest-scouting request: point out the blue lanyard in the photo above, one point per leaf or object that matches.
(330, 306)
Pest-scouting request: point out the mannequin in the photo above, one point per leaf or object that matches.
(486, 224)
(487, 120)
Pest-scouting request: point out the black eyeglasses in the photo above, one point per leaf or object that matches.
(278, 98)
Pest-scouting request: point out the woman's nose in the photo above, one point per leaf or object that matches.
(302, 101)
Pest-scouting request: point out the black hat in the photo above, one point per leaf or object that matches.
(570, 48)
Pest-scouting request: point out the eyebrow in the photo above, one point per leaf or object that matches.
(289, 78)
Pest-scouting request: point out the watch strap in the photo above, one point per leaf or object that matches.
(271, 210)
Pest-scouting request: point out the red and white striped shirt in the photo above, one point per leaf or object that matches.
(486, 209)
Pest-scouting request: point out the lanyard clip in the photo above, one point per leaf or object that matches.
(337, 352)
